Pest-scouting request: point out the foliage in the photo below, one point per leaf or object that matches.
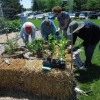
(9, 26)
(11, 46)
(62, 47)
(58, 47)
(93, 4)
(51, 43)
(36, 46)
(4, 25)
(14, 26)
(77, 5)
(11, 8)
(45, 5)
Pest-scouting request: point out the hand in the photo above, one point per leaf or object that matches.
(69, 47)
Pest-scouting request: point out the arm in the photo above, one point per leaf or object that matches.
(42, 30)
(66, 21)
(60, 26)
(33, 32)
(72, 42)
(53, 27)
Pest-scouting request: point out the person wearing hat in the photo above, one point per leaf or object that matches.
(63, 19)
(89, 32)
(47, 27)
(27, 29)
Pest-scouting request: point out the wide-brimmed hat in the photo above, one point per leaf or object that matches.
(75, 26)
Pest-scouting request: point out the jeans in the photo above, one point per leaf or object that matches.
(26, 37)
(89, 50)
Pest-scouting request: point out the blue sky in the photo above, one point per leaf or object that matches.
(26, 3)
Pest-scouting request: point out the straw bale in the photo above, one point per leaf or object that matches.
(28, 75)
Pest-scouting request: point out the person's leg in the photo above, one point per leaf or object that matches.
(89, 50)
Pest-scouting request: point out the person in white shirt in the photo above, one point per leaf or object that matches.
(27, 29)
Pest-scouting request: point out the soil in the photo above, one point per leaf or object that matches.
(9, 94)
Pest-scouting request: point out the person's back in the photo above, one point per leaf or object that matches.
(90, 33)
(27, 29)
(47, 28)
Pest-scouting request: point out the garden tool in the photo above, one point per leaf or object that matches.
(46, 68)
(47, 64)
(80, 91)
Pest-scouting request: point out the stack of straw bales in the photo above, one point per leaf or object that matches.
(28, 76)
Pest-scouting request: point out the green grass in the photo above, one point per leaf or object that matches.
(37, 23)
(90, 79)
(87, 80)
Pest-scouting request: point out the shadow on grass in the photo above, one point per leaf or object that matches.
(89, 75)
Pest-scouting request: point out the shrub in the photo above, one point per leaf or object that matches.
(11, 46)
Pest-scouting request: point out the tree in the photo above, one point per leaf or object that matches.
(45, 4)
(93, 5)
(11, 7)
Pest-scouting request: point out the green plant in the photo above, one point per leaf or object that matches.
(51, 43)
(11, 46)
(62, 47)
(36, 46)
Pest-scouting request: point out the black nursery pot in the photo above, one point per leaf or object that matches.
(47, 62)
(54, 63)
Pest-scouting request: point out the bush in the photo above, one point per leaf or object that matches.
(7, 26)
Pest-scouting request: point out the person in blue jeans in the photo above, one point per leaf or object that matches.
(27, 29)
(47, 27)
(89, 32)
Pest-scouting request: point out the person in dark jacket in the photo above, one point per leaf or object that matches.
(89, 32)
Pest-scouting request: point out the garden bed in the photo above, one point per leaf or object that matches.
(17, 54)
(28, 76)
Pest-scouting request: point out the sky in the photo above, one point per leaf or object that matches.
(26, 3)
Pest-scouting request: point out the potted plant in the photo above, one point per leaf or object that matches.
(58, 49)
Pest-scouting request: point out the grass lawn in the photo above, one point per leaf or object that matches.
(86, 80)
(90, 80)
